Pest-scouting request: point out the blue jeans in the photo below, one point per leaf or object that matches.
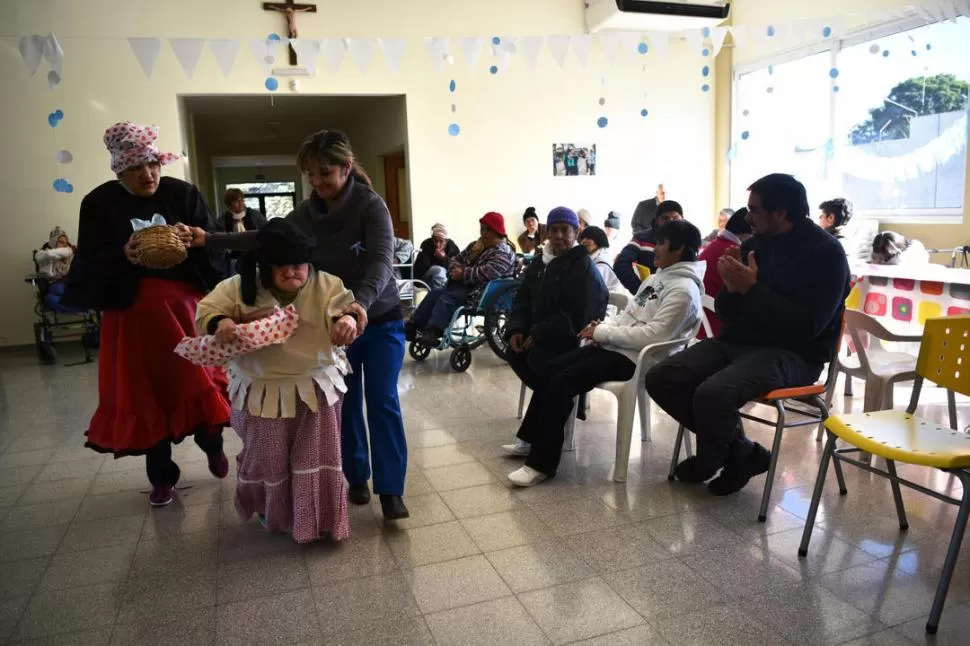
(439, 306)
(376, 358)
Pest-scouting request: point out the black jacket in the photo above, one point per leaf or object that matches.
(556, 301)
(254, 220)
(638, 251)
(101, 278)
(798, 301)
(426, 258)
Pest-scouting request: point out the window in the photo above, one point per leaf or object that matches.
(274, 199)
(879, 118)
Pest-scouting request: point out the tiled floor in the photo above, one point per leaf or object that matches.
(578, 559)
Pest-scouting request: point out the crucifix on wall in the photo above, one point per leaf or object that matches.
(290, 9)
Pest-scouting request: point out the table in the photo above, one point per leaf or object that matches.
(905, 296)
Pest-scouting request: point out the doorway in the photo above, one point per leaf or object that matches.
(396, 192)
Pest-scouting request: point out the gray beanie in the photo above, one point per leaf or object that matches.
(612, 220)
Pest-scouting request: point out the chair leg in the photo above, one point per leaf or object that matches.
(627, 402)
(773, 462)
(643, 406)
(897, 495)
(952, 553)
(569, 443)
(681, 432)
(521, 401)
(829, 396)
(951, 406)
(823, 468)
(840, 477)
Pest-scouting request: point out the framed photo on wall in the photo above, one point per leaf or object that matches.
(573, 160)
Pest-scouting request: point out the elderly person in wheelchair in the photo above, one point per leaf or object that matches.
(52, 262)
(484, 260)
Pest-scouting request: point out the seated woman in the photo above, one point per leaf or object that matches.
(53, 263)
(598, 245)
(534, 234)
(667, 306)
(431, 265)
(560, 294)
(735, 231)
(891, 248)
(484, 260)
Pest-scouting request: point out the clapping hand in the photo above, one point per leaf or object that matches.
(738, 277)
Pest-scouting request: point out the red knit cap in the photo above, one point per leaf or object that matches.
(494, 221)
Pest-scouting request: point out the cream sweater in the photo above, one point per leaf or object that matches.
(268, 381)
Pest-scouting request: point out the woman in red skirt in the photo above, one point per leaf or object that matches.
(148, 396)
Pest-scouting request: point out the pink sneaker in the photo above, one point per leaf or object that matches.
(160, 495)
(218, 464)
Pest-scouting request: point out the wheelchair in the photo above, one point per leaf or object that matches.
(473, 326)
(56, 321)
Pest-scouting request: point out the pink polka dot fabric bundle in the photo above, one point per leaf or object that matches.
(207, 351)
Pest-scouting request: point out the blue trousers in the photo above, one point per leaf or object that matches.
(439, 306)
(376, 358)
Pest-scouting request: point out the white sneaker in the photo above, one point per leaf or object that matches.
(520, 449)
(526, 476)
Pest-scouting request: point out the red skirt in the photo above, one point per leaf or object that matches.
(146, 392)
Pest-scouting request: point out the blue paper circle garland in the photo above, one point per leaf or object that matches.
(705, 88)
(706, 71)
(602, 122)
(706, 32)
(885, 53)
(770, 31)
(705, 52)
(54, 118)
(452, 86)
(834, 73)
(826, 31)
(493, 69)
(272, 84)
(496, 40)
(454, 130)
(644, 112)
(274, 36)
(602, 100)
(642, 48)
(745, 135)
(61, 185)
(835, 88)
(929, 46)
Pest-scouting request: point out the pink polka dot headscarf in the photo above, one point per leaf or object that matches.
(134, 145)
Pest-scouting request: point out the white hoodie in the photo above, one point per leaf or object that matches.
(604, 265)
(667, 306)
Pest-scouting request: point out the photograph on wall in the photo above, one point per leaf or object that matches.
(573, 159)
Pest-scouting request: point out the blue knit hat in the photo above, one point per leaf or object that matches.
(561, 214)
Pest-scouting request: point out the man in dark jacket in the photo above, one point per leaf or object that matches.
(639, 251)
(646, 211)
(431, 265)
(238, 218)
(780, 324)
(561, 293)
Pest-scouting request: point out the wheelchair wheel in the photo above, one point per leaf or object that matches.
(419, 351)
(496, 316)
(461, 359)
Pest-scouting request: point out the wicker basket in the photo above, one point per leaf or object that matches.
(159, 247)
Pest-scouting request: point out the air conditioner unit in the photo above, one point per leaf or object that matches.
(645, 15)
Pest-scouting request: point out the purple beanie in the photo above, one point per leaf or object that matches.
(561, 214)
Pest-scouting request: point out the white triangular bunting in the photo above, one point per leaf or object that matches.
(949, 9)
(502, 57)
(508, 44)
(531, 46)
(609, 44)
(333, 52)
(362, 50)
(963, 7)
(307, 51)
(53, 53)
(739, 34)
(393, 49)
(630, 42)
(471, 49)
(225, 50)
(837, 25)
(718, 34)
(558, 47)
(187, 51)
(658, 42)
(580, 46)
(695, 40)
(438, 49)
(146, 52)
(799, 29)
(32, 51)
(266, 52)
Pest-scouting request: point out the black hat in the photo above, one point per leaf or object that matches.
(281, 242)
(529, 213)
(597, 235)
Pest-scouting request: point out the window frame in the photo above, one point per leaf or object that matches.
(834, 46)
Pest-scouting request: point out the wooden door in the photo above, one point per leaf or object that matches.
(396, 192)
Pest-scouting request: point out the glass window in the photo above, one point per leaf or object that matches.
(250, 188)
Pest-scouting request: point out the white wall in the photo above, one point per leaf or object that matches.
(501, 161)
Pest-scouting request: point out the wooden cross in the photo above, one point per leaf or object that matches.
(289, 9)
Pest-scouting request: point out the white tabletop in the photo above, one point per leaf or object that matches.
(938, 273)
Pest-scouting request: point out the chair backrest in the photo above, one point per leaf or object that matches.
(619, 300)
(866, 333)
(707, 301)
(642, 271)
(943, 353)
(832, 372)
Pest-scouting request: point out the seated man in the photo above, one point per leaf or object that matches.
(639, 251)
(734, 232)
(559, 295)
(431, 265)
(667, 306)
(484, 260)
(598, 246)
(722, 219)
(781, 323)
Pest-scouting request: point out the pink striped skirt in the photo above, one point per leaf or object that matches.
(289, 471)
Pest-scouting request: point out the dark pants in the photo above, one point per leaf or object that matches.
(704, 386)
(440, 305)
(162, 470)
(376, 358)
(531, 365)
(566, 377)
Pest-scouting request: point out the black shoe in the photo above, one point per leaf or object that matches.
(694, 471)
(735, 475)
(359, 494)
(410, 331)
(393, 507)
(431, 336)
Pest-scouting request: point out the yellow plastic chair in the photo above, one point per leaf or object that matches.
(642, 271)
(899, 436)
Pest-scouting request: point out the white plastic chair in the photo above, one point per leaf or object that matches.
(880, 368)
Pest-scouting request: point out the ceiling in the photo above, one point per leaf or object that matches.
(239, 120)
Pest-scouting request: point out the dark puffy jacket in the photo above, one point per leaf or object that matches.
(638, 251)
(426, 258)
(557, 300)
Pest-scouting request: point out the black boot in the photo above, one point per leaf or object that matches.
(410, 331)
(736, 473)
(393, 507)
(359, 494)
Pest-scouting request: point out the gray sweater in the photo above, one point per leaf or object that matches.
(355, 242)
